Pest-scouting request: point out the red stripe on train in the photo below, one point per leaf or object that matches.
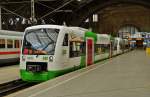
(7, 53)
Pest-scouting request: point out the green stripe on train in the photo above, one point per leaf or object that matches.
(42, 76)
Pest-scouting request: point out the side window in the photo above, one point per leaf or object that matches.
(121, 44)
(97, 48)
(65, 41)
(76, 49)
(9, 43)
(115, 44)
(20, 43)
(83, 48)
(101, 48)
(17, 44)
(2, 43)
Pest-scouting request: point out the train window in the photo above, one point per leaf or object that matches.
(76, 49)
(114, 44)
(9, 43)
(83, 48)
(97, 49)
(44, 39)
(101, 48)
(20, 43)
(17, 45)
(65, 41)
(121, 44)
(2, 43)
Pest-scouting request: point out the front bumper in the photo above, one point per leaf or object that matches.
(34, 77)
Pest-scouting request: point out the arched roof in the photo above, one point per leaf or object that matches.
(73, 12)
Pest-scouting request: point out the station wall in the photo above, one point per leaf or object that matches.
(111, 19)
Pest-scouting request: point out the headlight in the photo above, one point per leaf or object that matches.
(50, 58)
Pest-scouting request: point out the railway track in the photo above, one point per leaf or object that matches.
(13, 86)
(9, 64)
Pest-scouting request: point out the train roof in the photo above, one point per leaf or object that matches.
(57, 27)
(104, 36)
(11, 37)
(78, 28)
(118, 38)
(11, 33)
(45, 26)
(103, 39)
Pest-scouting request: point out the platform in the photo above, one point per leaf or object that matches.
(9, 73)
(127, 75)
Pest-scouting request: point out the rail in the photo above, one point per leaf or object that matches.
(13, 86)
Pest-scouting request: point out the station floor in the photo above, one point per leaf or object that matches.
(9, 73)
(127, 75)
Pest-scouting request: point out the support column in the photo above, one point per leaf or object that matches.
(91, 22)
(32, 12)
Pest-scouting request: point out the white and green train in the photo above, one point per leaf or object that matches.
(51, 50)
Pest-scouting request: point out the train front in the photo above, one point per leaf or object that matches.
(37, 52)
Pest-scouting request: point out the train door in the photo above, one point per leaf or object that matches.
(89, 51)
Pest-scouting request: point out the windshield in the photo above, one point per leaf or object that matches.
(40, 41)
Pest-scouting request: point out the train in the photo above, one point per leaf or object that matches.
(49, 51)
(10, 44)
